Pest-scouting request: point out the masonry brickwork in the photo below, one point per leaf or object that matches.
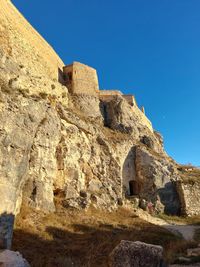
(81, 79)
(130, 99)
(108, 95)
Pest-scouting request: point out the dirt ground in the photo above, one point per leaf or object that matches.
(86, 238)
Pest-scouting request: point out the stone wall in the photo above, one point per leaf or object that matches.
(108, 95)
(81, 79)
(130, 99)
(25, 45)
(189, 194)
(109, 92)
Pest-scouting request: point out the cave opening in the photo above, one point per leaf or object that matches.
(133, 188)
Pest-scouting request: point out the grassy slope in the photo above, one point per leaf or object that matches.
(190, 176)
(84, 237)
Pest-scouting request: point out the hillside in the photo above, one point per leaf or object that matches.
(72, 149)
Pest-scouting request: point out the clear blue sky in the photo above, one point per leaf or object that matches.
(149, 48)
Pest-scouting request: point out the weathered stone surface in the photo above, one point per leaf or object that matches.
(189, 194)
(157, 175)
(136, 254)
(119, 115)
(87, 105)
(12, 259)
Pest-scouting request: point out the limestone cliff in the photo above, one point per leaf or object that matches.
(72, 147)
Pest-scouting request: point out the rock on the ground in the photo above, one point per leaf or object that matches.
(136, 254)
(193, 252)
(10, 258)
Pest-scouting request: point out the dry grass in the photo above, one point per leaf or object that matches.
(195, 220)
(191, 176)
(85, 238)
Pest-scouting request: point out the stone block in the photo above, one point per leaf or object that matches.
(136, 254)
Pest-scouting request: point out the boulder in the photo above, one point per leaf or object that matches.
(193, 252)
(10, 258)
(136, 254)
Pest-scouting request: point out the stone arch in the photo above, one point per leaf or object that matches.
(130, 183)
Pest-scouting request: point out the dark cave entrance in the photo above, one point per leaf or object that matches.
(134, 188)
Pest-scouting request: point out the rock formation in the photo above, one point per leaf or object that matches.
(79, 147)
(136, 254)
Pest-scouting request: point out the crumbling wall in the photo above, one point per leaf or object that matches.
(189, 195)
(108, 95)
(130, 99)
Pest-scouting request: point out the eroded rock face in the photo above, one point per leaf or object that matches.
(29, 135)
(118, 115)
(157, 176)
(87, 105)
(189, 194)
(136, 254)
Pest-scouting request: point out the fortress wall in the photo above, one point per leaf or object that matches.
(107, 98)
(82, 79)
(21, 43)
(130, 99)
(108, 95)
(80, 86)
(109, 92)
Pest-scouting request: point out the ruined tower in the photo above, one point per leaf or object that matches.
(81, 79)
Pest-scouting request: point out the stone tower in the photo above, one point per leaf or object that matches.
(81, 79)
